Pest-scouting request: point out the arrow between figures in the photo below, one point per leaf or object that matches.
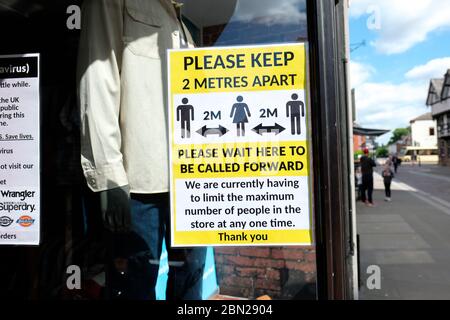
(260, 129)
(205, 131)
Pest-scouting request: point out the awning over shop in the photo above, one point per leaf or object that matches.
(358, 131)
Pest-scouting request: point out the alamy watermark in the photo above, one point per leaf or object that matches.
(73, 281)
(73, 21)
(373, 281)
(374, 20)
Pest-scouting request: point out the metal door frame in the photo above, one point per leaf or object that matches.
(331, 162)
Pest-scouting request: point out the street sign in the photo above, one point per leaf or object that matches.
(239, 146)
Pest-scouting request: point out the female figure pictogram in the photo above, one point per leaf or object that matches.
(241, 113)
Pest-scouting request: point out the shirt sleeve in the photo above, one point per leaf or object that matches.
(99, 61)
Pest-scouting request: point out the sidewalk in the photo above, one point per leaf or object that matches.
(409, 239)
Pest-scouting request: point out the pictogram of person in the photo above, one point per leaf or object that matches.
(185, 114)
(240, 113)
(296, 110)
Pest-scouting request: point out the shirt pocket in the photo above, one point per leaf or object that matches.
(142, 27)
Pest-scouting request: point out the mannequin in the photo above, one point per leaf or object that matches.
(124, 141)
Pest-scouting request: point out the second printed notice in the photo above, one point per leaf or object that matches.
(240, 170)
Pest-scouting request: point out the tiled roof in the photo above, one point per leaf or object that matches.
(437, 84)
(434, 92)
(426, 116)
(445, 93)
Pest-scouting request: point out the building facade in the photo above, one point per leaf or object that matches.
(424, 131)
(358, 143)
(438, 100)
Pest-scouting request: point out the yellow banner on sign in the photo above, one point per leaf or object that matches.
(247, 237)
(236, 69)
(231, 160)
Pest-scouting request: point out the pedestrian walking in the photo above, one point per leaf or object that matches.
(389, 161)
(395, 162)
(387, 175)
(414, 158)
(367, 165)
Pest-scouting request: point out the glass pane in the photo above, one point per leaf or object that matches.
(40, 272)
(246, 22)
(246, 272)
(103, 99)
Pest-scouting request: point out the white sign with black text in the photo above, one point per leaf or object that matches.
(19, 150)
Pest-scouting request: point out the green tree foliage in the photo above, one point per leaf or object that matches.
(358, 154)
(382, 152)
(398, 134)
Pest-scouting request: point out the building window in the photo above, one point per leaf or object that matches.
(432, 133)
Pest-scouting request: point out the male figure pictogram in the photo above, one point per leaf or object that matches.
(185, 114)
(296, 110)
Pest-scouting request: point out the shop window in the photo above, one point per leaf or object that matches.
(73, 232)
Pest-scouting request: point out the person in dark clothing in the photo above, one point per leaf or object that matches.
(387, 175)
(395, 162)
(414, 158)
(367, 165)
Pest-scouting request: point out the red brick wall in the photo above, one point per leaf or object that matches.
(281, 273)
(358, 141)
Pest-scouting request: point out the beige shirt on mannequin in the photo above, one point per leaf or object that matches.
(122, 92)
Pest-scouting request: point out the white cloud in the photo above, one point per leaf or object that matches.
(360, 73)
(390, 106)
(271, 12)
(385, 105)
(403, 23)
(433, 69)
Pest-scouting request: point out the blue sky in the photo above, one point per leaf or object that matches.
(407, 44)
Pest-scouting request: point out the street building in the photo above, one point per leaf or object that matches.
(423, 131)
(399, 146)
(438, 100)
